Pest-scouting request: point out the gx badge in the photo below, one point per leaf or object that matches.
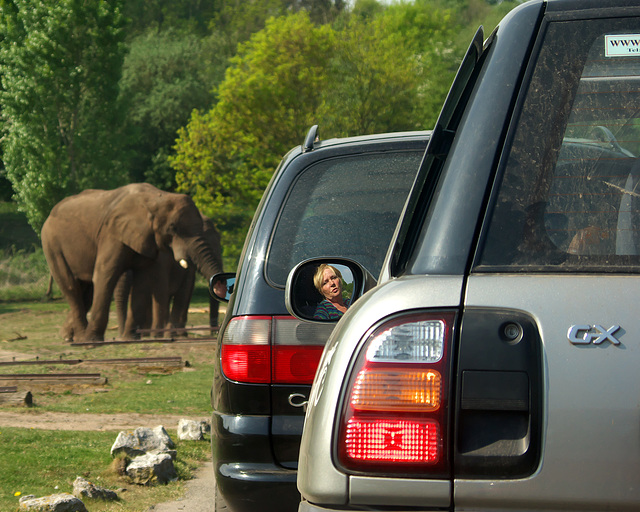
(592, 334)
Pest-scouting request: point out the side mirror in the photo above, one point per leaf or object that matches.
(306, 301)
(221, 286)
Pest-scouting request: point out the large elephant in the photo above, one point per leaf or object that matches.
(161, 293)
(92, 238)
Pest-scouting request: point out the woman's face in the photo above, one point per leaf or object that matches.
(331, 284)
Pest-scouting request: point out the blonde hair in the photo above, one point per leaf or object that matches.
(318, 276)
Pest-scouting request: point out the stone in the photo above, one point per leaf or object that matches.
(192, 430)
(141, 441)
(152, 469)
(82, 488)
(63, 502)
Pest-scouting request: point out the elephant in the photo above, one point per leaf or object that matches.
(162, 292)
(92, 238)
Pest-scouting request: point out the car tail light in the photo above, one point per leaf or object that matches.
(395, 415)
(278, 350)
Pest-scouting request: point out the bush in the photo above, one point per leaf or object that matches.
(24, 275)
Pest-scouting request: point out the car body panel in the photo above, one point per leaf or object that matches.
(591, 458)
(315, 452)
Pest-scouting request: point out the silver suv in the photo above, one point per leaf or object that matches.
(495, 364)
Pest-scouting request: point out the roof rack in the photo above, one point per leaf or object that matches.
(311, 137)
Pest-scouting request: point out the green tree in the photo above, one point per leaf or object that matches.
(165, 77)
(267, 101)
(428, 30)
(374, 80)
(61, 61)
(235, 21)
(189, 16)
(321, 11)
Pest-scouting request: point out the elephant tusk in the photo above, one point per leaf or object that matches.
(183, 263)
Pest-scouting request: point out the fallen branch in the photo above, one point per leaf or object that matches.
(18, 338)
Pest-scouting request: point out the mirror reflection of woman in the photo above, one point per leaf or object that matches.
(328, 281)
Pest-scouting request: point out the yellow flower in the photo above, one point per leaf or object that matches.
(17, 493)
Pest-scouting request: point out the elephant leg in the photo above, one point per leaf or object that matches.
(75, 292)
(110, 265)
(157, 284)
(140, 304)
(121, 300)
(214, 311)
(181, 300)
(160, 310)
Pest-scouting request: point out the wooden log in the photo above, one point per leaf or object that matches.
(16, 397)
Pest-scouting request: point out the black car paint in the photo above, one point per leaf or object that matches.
(255, 430)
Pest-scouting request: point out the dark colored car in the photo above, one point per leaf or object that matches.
(340, 196)
(494, 366)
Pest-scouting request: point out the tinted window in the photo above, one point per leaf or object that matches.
(568, 199)
(346, 206)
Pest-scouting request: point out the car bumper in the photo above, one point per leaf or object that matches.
(305, 506)
(247, 488)
(246, 475)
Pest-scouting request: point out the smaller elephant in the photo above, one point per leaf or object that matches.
(162, 292)
(92, 238)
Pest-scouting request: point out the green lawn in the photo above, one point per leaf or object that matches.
(49, 461)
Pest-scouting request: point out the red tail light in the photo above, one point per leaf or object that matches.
(393, 440)
(395, 418)
(278, 350)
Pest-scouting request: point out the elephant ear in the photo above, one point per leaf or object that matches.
(131, 222)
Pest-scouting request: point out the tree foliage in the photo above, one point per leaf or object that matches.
(61, 62)
(188, 16)
(225, 157)
(166, 75)
(238, 82)
(374, 79)
(368, 72)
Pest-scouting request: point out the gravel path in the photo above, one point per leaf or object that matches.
(199, 496)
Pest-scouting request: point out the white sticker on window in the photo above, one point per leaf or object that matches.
(622, 45)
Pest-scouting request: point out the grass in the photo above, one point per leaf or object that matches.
(50, 461)
(29, 330)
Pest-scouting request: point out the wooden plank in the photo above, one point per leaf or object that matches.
(181, 341)
(54, 378)
(137, 360)
(168, 361)
(38, 361)
(181, 330)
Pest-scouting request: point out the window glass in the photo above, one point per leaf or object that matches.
(345, 207)
(570, 195)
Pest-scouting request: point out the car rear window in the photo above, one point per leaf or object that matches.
(347, 206)
(569, 199)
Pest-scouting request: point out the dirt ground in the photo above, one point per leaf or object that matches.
(61, 421)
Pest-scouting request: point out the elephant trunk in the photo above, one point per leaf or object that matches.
(207, 262)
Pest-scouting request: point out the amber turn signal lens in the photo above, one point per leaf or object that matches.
(390, 390)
